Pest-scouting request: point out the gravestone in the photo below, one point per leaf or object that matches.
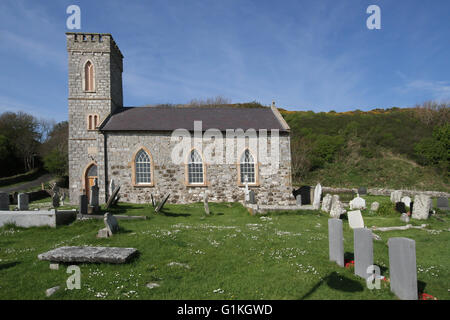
(112, 198)
(374, 206)
(55, 200)
(422, 207)
(246, 191)
(402, 268)
(336, 241)
(4, 201)
(298, 199)
(404, 217)
(162, 203)
(357, 203)
(326, 203)
(116, 200)
(317, 196)
(336, 207)
(400, 207)
(62, 198)
(15, 196)
(363, 251)
(442, 203)
(355, 219)
(362, 190)
(396, 196)
(407, 201)
(411, 207)
(83, 204)
(112, 187)
(205, 203)
(89, 255)
(22, 201)
(251, 195)
(153, 200)
(93, 201)
(111, 223)
(305, 192)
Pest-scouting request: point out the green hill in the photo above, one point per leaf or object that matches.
(393, 148)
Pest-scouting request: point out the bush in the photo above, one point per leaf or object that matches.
(387, 209)
(56, 162)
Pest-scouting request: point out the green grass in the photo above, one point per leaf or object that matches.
(230, 254)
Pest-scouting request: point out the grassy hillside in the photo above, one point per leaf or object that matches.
(393, 148)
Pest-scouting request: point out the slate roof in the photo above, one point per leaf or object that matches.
(171, 118)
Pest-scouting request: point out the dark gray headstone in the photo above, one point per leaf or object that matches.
(4, 201)
(252, 199)
(162, 203)
(22, 201)
(304, 192)
(336, 241)
(362, 190)
(363, 250)
(400, 207)
(83, 204)
(111, 223)
(402, 268)
(442, 203)
(93, 196)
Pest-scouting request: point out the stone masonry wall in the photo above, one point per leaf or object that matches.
(222, 179)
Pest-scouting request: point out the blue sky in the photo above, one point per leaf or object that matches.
(306, 55)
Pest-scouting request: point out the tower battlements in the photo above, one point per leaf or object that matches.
(81, 41)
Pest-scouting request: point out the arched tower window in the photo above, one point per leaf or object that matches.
(247, 167)
(93, 121)
(89, 76)
(143, 168)
(195, 168)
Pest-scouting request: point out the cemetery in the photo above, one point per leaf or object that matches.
(318, 248)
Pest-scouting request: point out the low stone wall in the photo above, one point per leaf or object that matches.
(26, 219)
(387, 192)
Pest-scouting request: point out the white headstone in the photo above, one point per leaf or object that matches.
(317, 196)
(358, 203)
(246, 191)
(336, 207)
(407, 201)
(355, 219)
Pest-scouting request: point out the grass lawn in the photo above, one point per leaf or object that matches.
(227, 255)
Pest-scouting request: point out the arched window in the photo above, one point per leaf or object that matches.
(92, 121)
(142, 165)
(89, 76)
(195, 168)
(247, 167)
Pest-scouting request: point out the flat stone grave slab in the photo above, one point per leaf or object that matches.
(89, 255)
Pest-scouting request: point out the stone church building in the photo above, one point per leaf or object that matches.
(133, 146)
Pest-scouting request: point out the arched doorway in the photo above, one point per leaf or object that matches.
(89, 178)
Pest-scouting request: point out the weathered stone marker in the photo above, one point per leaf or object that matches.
(93, 201)
(402, 268)
(83, 204)
(374, 206)
(336, 241)
(317, 196)
(205, 203)
(251, 195)
(326, 202)
(112, 197)
(363, 250)
(162, 203)
(111, 223)
(4, 201)
(442, 203)
(422, 207)
(396, 196)
(362, 190)
(22, 201)
(355, 219)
